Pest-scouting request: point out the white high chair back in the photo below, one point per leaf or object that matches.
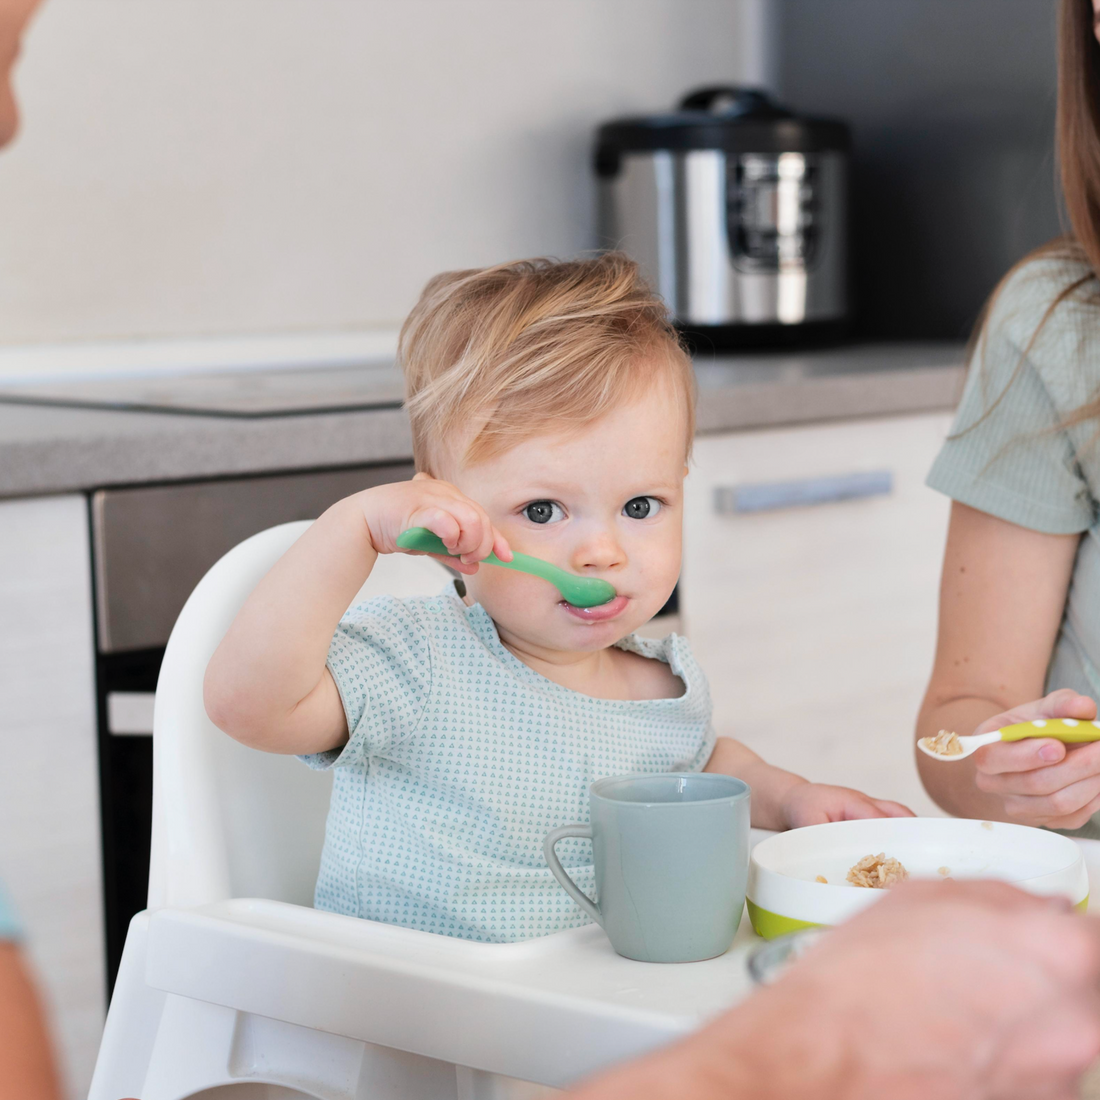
(229, 821)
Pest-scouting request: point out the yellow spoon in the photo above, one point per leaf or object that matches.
(1070, 730)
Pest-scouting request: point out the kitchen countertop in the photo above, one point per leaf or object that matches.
(57, 447)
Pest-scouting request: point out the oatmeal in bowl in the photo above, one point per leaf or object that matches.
(877, 872)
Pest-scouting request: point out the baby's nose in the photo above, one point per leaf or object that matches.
(600, 551)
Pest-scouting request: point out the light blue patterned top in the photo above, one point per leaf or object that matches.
(461, 759)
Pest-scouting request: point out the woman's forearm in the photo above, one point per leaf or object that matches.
(952, 785)
(1002, 599)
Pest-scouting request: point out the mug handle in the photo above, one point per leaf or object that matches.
(571, 888)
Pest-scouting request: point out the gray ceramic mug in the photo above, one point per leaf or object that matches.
(672, 859)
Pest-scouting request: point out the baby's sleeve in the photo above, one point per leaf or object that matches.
(380, 658)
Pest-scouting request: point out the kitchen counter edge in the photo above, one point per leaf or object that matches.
(47, 450)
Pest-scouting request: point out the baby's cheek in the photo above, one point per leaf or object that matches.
(662, 571)
(513, 599)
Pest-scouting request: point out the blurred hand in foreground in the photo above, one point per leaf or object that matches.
(946, 991)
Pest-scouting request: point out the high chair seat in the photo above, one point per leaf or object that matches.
(232, 987)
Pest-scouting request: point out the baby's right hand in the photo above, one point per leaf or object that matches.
(462, 524)
(1043, 782)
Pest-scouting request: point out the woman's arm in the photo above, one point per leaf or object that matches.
(1002, 598)
(26, 1060)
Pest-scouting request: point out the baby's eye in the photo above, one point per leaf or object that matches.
(543, 511)
(641, 507)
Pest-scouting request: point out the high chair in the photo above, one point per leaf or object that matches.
(232, 987)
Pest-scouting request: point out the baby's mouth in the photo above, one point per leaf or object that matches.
(600, 614)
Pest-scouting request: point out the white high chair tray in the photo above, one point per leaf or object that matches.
(549, 1010)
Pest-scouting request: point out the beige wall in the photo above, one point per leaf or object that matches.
(205, 166)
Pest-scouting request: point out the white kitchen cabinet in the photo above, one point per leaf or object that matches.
(49, 797)
(816, 623)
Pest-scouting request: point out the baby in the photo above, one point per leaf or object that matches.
(552, 412)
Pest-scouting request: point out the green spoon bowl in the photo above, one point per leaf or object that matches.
(578, 591)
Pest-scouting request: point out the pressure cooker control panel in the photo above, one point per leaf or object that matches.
(771, 211)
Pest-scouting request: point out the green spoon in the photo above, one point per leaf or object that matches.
(578, 591)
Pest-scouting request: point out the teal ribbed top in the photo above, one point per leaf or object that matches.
(1009, 456)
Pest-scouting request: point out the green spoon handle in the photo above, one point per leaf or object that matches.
(420, 538)
(579, 591)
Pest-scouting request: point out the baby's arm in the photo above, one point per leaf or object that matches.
(783, 800)
(267, 684)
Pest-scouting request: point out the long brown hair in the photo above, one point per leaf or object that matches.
(1077, 127)
(1077, 138)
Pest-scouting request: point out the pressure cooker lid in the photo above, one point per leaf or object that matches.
(737, 120)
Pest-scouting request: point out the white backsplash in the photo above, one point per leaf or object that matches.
(235, 166)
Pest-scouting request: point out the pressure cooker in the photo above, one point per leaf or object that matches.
(736, 210)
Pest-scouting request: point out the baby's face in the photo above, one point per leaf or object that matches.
(605, 502)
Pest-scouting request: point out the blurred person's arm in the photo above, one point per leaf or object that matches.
(27, 1069)
(957, 991)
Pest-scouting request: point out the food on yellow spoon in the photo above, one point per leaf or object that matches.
(877, 872)
(945, 743)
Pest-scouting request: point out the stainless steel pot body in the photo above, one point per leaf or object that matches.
(734, 239)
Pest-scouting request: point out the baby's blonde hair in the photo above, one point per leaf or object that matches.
(520, 349)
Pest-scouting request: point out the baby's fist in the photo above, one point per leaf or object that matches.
(460, 523)
(818, 803)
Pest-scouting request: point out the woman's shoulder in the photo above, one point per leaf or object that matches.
(1047, 298)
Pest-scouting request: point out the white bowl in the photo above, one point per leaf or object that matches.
(784, 896)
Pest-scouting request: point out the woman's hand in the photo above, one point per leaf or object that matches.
(1042, 781)
(462, 524)
(818, 803)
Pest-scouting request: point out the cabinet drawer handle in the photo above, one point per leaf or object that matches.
(771, 496)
